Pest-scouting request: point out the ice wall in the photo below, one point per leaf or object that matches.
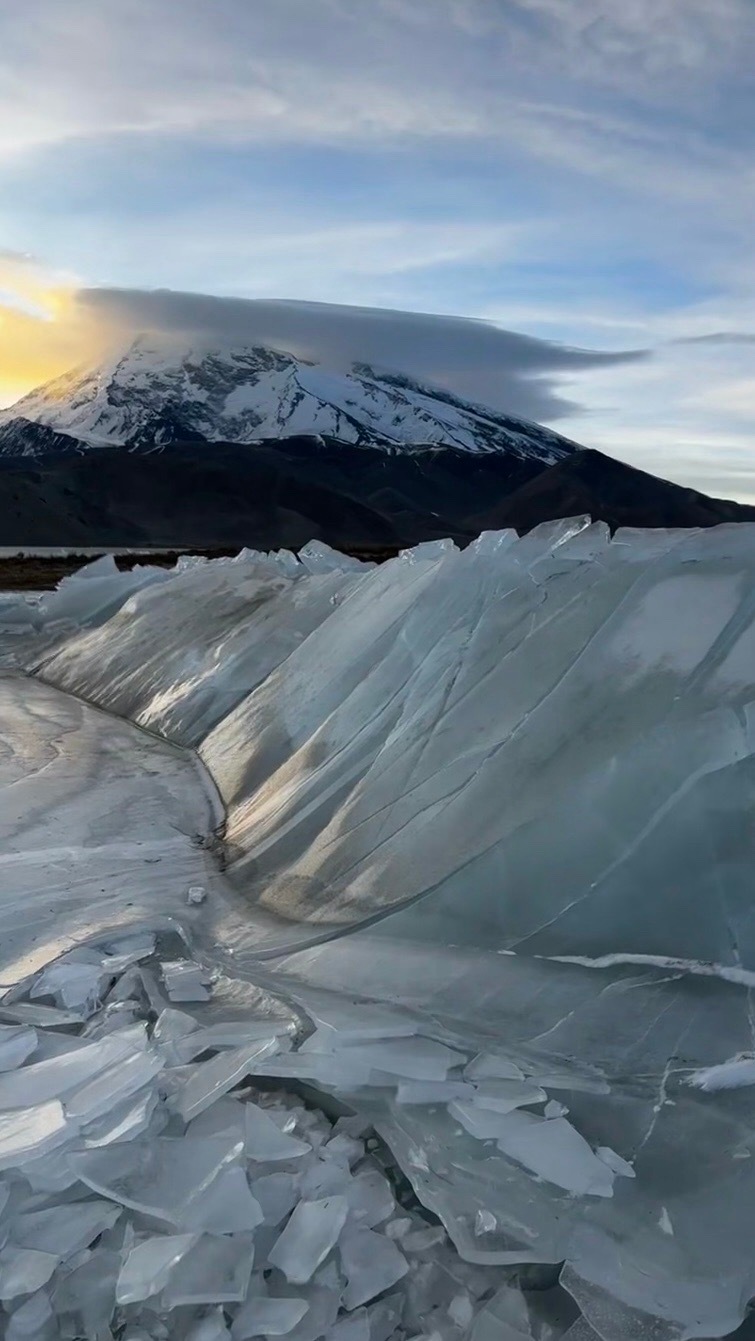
(509, 789)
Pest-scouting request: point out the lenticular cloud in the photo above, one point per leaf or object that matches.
(393, 980)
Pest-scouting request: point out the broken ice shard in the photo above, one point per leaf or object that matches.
(159, 1177)
(371, 1264)
(262, 1316)
(215, 1269)
(185, 981)
(265, 1142)
(24, 1270)
(17, 1042)
(209, 1080)
(309, 1236)
(28, 1132)
(149, 1265)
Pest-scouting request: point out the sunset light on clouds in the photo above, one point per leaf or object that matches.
(579, 174)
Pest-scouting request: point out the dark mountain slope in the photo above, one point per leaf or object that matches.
(611, 491)
(283, 493)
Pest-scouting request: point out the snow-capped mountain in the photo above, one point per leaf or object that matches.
(155, 392)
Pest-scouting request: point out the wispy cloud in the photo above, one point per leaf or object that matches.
(514, 372)
(719, 338)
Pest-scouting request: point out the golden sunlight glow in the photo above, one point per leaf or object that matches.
(44, 330)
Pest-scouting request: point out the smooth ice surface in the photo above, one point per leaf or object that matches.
(495, 802)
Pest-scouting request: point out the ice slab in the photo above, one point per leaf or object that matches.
(65, 1230)
(29, 1132)
(309, 1236)
(277, 1194)
(267, 1317)
(371, 1264)
(554, 1150)
(159, 1177)
(24, 1270)
(34, 1320)
(264, 1140)
(16, 1045)
(185, 980)
(209, 1080)
(215, 1269)
(149, 1266)
(226, 1207)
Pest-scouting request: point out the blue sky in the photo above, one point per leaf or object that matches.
(580, 171)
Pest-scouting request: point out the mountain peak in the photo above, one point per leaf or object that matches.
(162, 388)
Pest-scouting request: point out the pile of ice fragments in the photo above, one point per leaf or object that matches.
(489, 838)
(153, 1186)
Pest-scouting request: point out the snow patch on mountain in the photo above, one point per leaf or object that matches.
(157, 391)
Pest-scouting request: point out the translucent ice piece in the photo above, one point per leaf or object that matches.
(24, 1270)
(59, 1075)
(65, 1230)
(414, 1058)
(433, 1091)
(185, 981)
(28, 1132)
(355, 1328)
(338, 1025)
(113, 1085)
(370, 1199)
(265, 1141)
(461, 1310)
(210, 1080)
(149, 1265)
(308, 1237)
(324, 1178)
(49, 1173)
(159, 1177)
(33, 1321)
(277, 1194)
(566, 1080)
(232, 1034)
(420, 1240)
(211, 1327)
(44, 1017)
(84, 1295)
(385, 1316)
(343, 1149)
(323, 1306)
(488, 1065)
(123, 951)
(216, 1270)
(554, 1150)
(267, 1317)
(124, 1123)
(504, 1318)
(173, 1025)
(620, 1166)
(502, 1096)
(17, 1042)
(342, 1070)
(485, 1223)
(371, 1264)
(75, 985)
(483, 1123)
(224, 1117)
(227, 1206)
